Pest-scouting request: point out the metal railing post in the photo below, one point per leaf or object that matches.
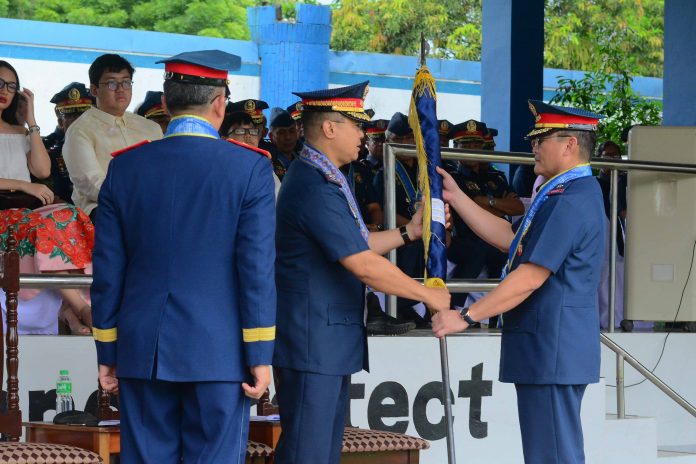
(613, 220)
(388, 160)
(655, 380)
(620, 392)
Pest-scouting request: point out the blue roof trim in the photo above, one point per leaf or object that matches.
(87, 57)
(403, 83)
(121, 41)
(399, 65)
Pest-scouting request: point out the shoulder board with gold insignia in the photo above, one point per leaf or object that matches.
(123, 150)
(256, 149)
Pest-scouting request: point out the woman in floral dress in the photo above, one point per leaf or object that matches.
(54, 237)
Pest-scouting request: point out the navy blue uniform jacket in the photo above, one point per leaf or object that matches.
(183, 261)
(553, 336)
(320, 303)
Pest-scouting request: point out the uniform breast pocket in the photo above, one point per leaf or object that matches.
(520, 321)
(345, 314)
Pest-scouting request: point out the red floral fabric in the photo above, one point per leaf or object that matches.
(58, 237)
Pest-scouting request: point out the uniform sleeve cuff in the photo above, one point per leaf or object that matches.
(106, 353)
(259, 353)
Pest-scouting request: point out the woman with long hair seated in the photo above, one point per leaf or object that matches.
(53, 237)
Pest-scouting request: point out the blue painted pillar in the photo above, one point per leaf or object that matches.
(679, 91)
(512, 68)
(294, 55)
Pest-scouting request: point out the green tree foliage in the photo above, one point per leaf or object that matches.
(609, 93)
(573, 28)
(394, 26)
(634, 28)
(213, 18)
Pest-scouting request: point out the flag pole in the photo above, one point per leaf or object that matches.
(444, 357)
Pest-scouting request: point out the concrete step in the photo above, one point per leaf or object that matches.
(677, 454)
(631, 440)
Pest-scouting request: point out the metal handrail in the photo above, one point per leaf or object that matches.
(391, 150)
(623, 355)
(55, 281)
(463, 286)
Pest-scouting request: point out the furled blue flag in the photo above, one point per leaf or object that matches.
(422, 118)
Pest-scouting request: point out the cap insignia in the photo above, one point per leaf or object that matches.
(74, 94)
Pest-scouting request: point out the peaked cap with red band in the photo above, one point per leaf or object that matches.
(550, 117)
(468, 131)
(376, 128)
(253, 108)
(203, 67)
(74, 98)
(349, 101)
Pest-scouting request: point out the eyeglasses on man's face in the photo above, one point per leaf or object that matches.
(356, 125)
(11, 86)
(113, 85)
(242, 131)
(536, 143)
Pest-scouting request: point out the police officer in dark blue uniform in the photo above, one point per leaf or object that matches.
(325, 255)
(550, 343)
(183, 296)
(70, 103)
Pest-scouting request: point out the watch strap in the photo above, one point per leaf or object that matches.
(404, 235)
(465, 315)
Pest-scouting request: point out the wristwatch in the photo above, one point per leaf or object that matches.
(404, 235)
(465, 315)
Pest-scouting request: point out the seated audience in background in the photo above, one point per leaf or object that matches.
(151, 108)
(52, 237)
(488, 187)
(409, 258)
(103, 129)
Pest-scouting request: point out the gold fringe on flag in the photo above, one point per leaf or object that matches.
(423, 83)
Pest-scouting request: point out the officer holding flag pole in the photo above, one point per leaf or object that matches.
(550, 343)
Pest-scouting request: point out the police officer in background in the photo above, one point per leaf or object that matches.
(70, 103)
(151, 108)
(550, 343)
(183, 295)
(284, 137)
(375, 130)
(325, 256)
